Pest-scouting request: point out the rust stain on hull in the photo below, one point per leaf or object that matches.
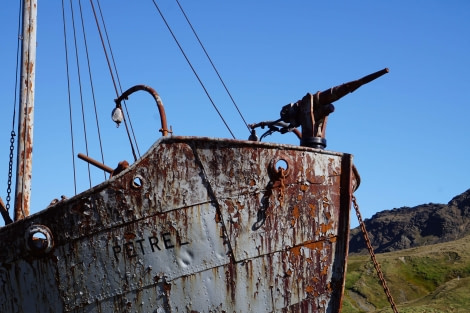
(196, 225)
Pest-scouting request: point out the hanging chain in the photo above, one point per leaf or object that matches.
(372, 256)
(10, 169)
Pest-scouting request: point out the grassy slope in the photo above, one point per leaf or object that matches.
(433, 278)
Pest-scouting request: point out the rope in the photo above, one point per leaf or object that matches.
(213, 66)
(372, 256)
(192, 68)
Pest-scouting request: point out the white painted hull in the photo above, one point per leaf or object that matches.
(195, 225)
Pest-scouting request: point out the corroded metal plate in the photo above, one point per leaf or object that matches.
(195, 225)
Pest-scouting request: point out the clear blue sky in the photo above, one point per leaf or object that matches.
(408, 130)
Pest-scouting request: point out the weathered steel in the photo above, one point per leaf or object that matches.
(372, 256)
(335, 93)
(312, 110)
(4, 212)
(195, 225)
(156, 97)
(100, 165)
(25, 126)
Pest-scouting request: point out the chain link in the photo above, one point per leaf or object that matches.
(372, 256)
(10, 169)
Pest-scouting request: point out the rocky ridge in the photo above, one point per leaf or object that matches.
(408, 227)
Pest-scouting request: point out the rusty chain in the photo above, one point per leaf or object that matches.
(10, 169)
(372, 256)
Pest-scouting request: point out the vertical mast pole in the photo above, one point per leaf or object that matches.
(26, 116)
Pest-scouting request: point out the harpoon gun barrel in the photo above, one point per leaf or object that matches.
(312, 110)
(335, 93)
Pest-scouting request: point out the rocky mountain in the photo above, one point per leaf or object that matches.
(407, 227)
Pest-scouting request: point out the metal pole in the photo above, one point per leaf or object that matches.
(26, 118)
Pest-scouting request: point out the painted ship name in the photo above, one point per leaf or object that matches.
(150, 244)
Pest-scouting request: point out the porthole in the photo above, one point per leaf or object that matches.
(137, 182)
(39, 239)
(278, 166)
(281, 163)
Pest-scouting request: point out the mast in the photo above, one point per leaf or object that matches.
(26, 114)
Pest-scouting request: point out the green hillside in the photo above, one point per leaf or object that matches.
(434, 278)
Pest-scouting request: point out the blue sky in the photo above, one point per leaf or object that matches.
(408, 130)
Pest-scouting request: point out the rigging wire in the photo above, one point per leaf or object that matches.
(192, 68)
(213, 66)
(15, 99)
(79, 76)
(69, 99)
(91, 85)
(117, 76)
(112, 76)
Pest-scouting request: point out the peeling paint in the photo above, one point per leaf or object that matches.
(211, 226)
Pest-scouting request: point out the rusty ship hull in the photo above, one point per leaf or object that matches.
(195, 225)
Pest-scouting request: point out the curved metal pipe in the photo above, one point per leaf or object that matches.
(155, 95)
